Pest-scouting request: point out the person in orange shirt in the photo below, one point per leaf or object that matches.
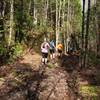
(59, 49)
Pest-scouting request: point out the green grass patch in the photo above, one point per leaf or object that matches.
(90, 90)
(50, 65)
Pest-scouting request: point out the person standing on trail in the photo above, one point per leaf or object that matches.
(52, 49)
(45, 49)
(59, 49)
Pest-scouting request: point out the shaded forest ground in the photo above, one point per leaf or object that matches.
(27, 79)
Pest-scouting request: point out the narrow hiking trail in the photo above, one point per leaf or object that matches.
(27, 79)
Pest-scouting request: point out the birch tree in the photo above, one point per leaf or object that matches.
(63, 26)
(68, 5)
(11, 22)
(57, 35)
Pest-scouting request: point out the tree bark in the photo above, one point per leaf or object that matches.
(2, 11)
(11, 22)
(87, 33)
(83, 29)
(57, 35)
(97, 30)
(63, 26)
(29, 8)
(67, 35)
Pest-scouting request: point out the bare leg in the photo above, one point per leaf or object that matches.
(43, 60)
(46, 60)
(51, 56)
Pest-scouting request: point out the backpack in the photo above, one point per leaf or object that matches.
(52, 45)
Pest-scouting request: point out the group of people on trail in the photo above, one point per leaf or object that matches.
(49, 47)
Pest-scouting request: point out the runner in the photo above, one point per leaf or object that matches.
(45, 49)
(52, 49)
(59, 49)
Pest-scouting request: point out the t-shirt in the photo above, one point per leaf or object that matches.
(59, 46)
(45, 47)
(52, 45)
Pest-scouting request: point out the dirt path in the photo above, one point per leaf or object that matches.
(54, 86)
(32, 58)
(27, 79)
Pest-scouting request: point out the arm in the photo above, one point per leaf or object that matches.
(42, 46)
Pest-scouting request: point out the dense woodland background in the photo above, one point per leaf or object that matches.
(25, 23)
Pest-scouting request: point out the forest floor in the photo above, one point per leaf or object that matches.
(28, 79)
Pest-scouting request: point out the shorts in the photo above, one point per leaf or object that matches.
(52, 51)
(59, 51)
(44, 55)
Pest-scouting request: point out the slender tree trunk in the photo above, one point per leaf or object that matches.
(59, 16)
(33, 10)
(46, 11)
(2, 11)
(2, 36)
(57, 34)
(83, 23)
(35, 14)
(51, 22)
(63, 26)
(21, 34)
(83, 29)
(67, 23)
(2, 8)
(11, 22)
(29, 8)
(70, 18)
(97, 31)
(87, 33)
(58, 19)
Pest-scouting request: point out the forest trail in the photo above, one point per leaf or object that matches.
(32, 58)
(27, 79)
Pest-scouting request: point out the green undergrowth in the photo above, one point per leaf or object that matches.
(17, 50)
(93, 58)
(11, 53)
(90, 91)
(50, 65)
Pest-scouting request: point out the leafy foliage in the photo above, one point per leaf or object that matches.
(8, 55)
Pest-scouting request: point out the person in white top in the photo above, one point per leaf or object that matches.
(45, 49)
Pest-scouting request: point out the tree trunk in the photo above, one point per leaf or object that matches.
(46, 11)
(97, 31)
(67, 35)
(59, 16)
(2, 11)
(63, 26)
(11, 22)
(51, 22)
(2, 8)
(57, 35)
(82, 38)
(34, 14)
(29, 8)
(87, 33)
